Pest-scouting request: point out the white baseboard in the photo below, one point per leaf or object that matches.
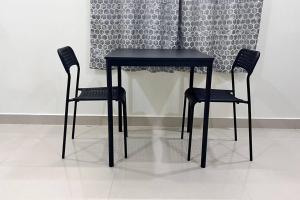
(148, 121)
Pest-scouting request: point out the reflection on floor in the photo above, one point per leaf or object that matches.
(31, 167)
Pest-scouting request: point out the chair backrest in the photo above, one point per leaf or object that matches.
(67, 57)
(247, 60)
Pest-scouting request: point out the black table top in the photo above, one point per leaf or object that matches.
(158, 57)
(156, 53)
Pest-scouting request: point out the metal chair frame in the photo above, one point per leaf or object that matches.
(245, 59)
(68, 59)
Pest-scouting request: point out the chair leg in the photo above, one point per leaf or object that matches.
(74, 119)
(250, 131)
(183, 117)
(234, 121)
(125, 128)
(192, 106)
(190, 118)
(120, 115)
(65, 129)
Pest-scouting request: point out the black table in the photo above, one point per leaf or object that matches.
(158, 57)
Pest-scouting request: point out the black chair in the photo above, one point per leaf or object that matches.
(68, 59)
(245, 59)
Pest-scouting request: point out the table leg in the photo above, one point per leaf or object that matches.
(206, 116)
(110, 117)
(119, 102)
(192, 70)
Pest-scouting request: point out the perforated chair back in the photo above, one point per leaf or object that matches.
(247, 60)
(67, 57)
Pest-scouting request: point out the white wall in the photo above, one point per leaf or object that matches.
(32, 79)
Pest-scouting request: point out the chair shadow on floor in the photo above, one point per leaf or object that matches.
(88, 152)
(154, 145)
(174, 153)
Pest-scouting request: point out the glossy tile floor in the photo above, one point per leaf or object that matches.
(31, 167)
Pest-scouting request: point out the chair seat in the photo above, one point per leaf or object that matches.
(100, 93)
(199, 94)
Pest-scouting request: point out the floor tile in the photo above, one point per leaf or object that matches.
(31, 166)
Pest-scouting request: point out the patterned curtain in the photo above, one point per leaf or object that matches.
(217, 27)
